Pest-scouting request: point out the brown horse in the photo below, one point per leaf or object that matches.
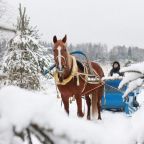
(64, 63)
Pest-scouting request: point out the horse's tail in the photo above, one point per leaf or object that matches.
(94, 101)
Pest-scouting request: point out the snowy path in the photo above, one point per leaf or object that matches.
(20, 108)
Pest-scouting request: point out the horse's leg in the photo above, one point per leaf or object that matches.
(88, 101)
(99, 108)
(79, 105)
(65, 100)
(94, 100)
(99, 94)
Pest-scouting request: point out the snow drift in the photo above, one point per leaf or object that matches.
(20, 108)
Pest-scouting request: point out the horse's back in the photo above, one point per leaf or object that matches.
(98, 69)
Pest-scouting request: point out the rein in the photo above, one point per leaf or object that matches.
(86, 82)
(62, 58)
(71, 53)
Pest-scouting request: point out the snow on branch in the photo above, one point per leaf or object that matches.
(134, 75)
(137, 68)
(129, 77)
(133, 85)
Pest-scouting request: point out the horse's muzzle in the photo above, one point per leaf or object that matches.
(60, 76)
(60, 70)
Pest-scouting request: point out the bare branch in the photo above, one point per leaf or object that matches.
(7, 29)
(29, 136)
(42, 133)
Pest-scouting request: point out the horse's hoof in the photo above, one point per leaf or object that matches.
(67, 112)
(88, 118)
(99, 118)
(81, 114)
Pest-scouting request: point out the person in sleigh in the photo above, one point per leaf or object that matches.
(116, 69)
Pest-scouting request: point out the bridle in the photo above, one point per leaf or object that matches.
(65, 63)
(62, 58)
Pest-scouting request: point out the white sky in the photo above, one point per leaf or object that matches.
(108, 21)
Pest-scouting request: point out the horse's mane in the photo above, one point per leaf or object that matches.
(80, 65)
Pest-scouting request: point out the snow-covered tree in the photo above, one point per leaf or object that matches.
(24, 57)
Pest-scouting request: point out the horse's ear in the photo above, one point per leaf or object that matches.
(64, 39)
(54, 39)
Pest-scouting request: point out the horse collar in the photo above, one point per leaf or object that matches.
(73, 70)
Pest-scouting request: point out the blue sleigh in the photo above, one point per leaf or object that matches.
(113, 98)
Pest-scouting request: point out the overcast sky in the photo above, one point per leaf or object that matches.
(112, 22)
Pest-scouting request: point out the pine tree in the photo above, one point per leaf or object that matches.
(24, 59)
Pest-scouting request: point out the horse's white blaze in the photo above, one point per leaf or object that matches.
(59, 57)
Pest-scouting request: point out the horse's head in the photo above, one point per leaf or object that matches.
(60, 55)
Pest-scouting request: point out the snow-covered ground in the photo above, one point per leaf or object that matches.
(20, 108)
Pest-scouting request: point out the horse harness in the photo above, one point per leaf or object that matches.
(88, 78)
